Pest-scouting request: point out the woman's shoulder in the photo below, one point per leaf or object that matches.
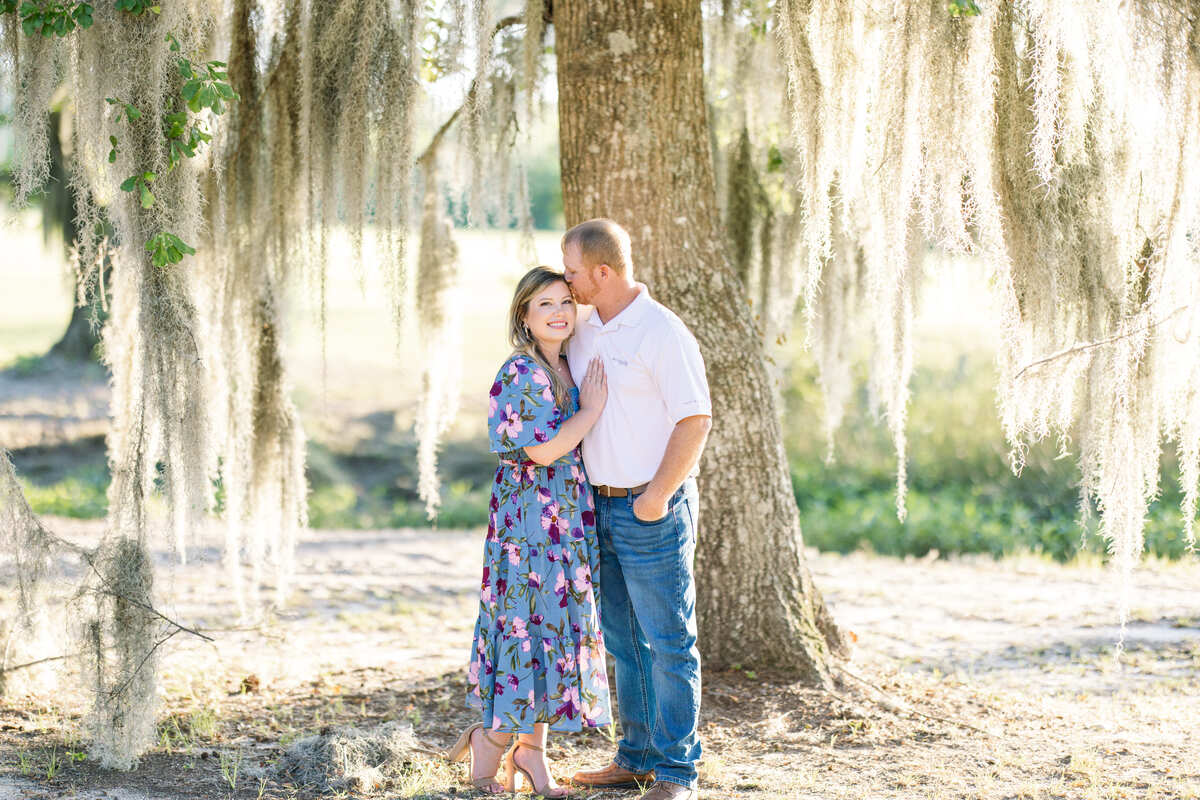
(517, 370)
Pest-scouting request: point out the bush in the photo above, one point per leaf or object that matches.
(963, 496)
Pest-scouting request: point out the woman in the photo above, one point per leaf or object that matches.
(538, 656)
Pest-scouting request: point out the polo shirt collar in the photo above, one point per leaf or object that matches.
(630, 316)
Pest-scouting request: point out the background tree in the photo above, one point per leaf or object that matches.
(635, 147)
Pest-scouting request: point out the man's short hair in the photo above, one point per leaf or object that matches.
(602, 241)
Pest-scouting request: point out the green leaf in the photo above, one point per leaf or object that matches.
(174, 42)
(147, 196)
(225, 90)
(112, 155)
(774, 159)
(189, 89)
(128, 184)
(132, 113)
(149, 177)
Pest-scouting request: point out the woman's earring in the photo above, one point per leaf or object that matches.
(528, 332)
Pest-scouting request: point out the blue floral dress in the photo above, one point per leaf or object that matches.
(538, 654)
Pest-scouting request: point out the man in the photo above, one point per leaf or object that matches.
(641, 458)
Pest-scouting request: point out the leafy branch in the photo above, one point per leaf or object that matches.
(964, 8)
(48, 19)
(139, 7)
(206, 87)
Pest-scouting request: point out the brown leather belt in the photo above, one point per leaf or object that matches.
(617, 491)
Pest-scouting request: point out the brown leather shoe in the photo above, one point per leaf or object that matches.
(665, 790)
(610, 777)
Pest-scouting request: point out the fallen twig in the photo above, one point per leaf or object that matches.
(899, 706)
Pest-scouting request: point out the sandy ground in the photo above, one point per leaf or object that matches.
(970, 678)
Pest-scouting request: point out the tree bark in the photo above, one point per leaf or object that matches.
(635, 147)
(78, 342)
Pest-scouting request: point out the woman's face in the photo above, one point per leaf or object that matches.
(551, 313)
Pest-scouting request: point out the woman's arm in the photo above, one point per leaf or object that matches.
(593, 392)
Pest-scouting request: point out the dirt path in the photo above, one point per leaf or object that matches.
(1022, 651)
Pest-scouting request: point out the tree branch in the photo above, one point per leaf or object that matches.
(112, 593)
(28, 664)
(1079, 348)
(436, 141)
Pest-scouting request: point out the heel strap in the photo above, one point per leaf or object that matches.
(529, 746)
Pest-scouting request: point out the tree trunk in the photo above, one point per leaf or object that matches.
(635, 147)
(78, 342)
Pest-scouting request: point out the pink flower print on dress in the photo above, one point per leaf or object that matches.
(518, 628)
(591, 713)
(534, 580)
(541, 379)
(543, 495)
(493, 403)
(583, 578)
(570, 705)
(525, 646)
(553, 523)
(560, 589)
(510, 424)
(514, 552)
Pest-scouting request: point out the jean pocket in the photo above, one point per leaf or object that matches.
(651, 523)
(668, 517)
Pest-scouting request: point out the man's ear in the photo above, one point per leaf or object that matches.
(605, 271)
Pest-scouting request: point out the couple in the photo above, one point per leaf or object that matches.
(538, 661)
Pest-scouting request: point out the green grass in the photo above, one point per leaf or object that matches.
(340, 506)
(82, 495)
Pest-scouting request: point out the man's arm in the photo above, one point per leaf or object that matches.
(683, 452)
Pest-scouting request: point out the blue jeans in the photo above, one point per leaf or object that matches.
(648, 614)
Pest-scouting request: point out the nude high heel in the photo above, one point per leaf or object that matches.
(462, 748)
(513, 768)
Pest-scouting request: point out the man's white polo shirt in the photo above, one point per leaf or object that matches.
(655, 378)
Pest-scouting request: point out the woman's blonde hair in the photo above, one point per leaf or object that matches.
(522, 340)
